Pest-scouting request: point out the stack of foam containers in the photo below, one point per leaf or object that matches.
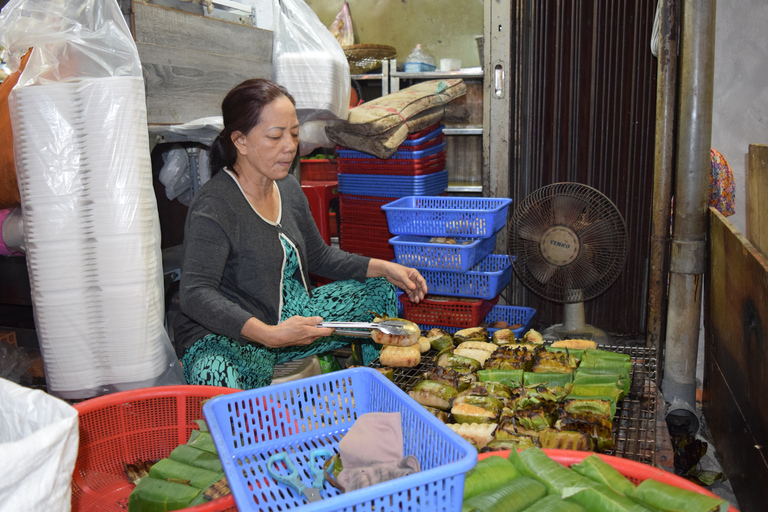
(451, 241)
(366, 183)
(92, 235)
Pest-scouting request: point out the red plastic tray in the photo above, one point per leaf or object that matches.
(318, 170)
(364, 210)
(415, 167)
(634, 471)
(449, 312)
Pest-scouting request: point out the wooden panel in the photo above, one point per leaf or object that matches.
(190, 62)
(735, 403)
(757, 195)
(464, 157)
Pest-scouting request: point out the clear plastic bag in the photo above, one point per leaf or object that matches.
(91, 224)
(417, 55)
(310, 63)
(342, 28)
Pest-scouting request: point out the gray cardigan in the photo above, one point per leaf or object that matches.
(232, 259)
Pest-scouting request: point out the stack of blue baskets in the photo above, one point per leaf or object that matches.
(366, 183)
(467, 268)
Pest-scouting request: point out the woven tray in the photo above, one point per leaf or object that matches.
(363, 58)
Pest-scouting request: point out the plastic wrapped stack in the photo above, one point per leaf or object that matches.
(366, 183)
(451, 241)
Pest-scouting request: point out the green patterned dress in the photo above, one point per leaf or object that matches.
(221, 361)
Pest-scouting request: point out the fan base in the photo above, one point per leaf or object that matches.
(584, 332)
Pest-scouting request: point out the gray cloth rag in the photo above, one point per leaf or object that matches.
(372, 451)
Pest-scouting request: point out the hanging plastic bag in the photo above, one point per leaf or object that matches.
(39, 439)
(310, 63)
(342, 28)
(91, 223)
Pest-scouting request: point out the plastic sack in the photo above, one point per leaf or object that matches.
(175, 172)
(39, 439)
(342, 28)
(310, 63)
(91, 226)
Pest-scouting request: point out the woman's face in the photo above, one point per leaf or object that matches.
(270, 146)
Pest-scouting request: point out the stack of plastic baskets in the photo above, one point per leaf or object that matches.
(462, 266)
(366, 183)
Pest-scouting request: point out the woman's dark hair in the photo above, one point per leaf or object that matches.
(241, 111)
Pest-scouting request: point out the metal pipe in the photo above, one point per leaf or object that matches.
(666, 97)
(687, 263)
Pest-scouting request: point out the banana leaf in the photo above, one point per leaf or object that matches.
(494, 389)
(601, 406)
(554, 503)
(599, 498)
(515, 496)
(669, 498)
(616, 379)
(433, 393)
(202, 440)
(195, 457)
(566, 440)
(167, 469)
(446, 357)
(550, 379)
(597, 390)
(533, 462)
(153, 495)
(512, 378)
(548, 393)
(470, 334)
(597, 470)
(607, 354)
(554, 362)
(437, 413)
(599, 428)
(471, 413)
(596, 363)
(488, 473)
(489, 403)
(518, 443)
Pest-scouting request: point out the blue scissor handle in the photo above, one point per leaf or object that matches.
(292, 478)
(317, 472)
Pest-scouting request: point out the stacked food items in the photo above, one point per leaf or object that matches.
(366, 183)
(502, 394)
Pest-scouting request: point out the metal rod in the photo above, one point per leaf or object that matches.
(666, 85)
(687, 263)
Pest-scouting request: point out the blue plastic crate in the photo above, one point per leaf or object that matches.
(511, 314)
(418, 252)
(397, 155)
(447, 216)
(426, 138)
(380, 185)
(300, 416)
(483, 281)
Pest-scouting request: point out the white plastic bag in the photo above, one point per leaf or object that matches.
(39, 439)
(91, 224)
(342, 28)
(310, 63)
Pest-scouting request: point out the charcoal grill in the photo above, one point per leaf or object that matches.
(634, 426)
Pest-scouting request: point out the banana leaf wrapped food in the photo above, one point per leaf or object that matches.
(605, 379)
(546, 392)
(590, 405)
(439, 339)
(477, 350)
(512, 378)
(477, 434)
(510, 430)
(603, 390)
(535, 463)
(476, 409)
(495, 389)
(519, 443)
(460, 381)
(433, 394)
(554, 362)
(668, 498)
(167, 469)
(597, 470)
(448, 358)
(517, 495)
(512, 358)
(532, 413)
(488, 474)
(599, 428)
(152, 494)
(549, 379)
(575, 352)
(533, 336)
(438, 413)
(471, 334)
(503, 337)
(554, 503)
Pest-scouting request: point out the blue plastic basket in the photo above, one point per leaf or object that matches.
(425, 138)
(418, 252)
(398, 155)
(250, 426)
(447, 216)
(511, 314)
(393, 186)
(483, 281)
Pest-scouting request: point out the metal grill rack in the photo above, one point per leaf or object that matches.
(634, 425)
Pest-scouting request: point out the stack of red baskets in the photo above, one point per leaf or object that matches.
(363, 225)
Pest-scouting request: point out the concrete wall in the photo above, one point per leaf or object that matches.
(444, 28)
(740, 106)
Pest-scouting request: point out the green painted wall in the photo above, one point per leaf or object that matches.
(444, 28)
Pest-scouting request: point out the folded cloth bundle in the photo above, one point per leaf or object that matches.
(380, 126)
(372, 451)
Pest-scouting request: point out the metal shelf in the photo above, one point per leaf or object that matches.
(469, 130)
(465, 189)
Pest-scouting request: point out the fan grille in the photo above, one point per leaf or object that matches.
(568, 242)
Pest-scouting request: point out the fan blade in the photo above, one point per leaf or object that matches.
(597, 233)
(568, 209)
(530, 232)
(583, 272)
(540, 269)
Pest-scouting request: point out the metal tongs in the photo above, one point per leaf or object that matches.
(363, 329)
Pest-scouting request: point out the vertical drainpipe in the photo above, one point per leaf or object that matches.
(666, 89)
(687, 263)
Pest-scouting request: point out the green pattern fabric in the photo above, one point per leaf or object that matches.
(221, 361)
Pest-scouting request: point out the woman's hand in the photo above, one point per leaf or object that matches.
(295, 331)
(405, 278)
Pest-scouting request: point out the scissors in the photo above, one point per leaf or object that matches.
(292, 479)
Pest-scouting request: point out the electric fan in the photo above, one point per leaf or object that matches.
(568, 244)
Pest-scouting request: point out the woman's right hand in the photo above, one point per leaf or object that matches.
(295, 331)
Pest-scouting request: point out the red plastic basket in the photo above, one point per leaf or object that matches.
(636, 472)
(365, 243)
(448, 312)
(318, 170)
(415, 167)
(363, 210)
(129, 426)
